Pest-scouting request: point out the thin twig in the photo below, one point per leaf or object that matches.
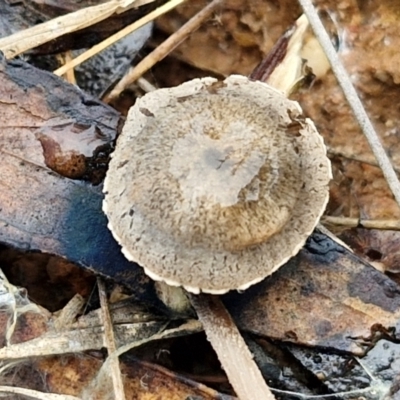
(382, 224)
(35, 394)
(192, 326)
(145, 85)
(64, 58)
(352, 98)
(68, 314)
(109, 340)
(231, 349)
(191, 380)
(117, 36)
(376, 391)
(37, 35)
(163, 49)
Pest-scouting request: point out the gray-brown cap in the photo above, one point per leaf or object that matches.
(214, 185)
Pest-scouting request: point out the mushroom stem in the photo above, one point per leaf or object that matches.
(232, 351)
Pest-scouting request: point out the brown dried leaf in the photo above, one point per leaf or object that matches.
(325, 296)
(142, 381)
(381, 248)
(47, 123)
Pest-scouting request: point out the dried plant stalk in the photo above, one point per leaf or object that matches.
(27, 39)
(109, 340)
(163, 49)
(35, 394)
(352, 98)
(117, 36)
(383, 224)
(68, 314)
(231, 348)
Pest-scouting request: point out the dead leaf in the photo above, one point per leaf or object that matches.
(41, 115)
(143, 380)
(325, 297)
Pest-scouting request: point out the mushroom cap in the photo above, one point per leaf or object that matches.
(214, 185)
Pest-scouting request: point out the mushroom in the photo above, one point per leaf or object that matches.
(214, 185)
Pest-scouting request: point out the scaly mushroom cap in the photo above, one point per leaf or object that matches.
(214, 185)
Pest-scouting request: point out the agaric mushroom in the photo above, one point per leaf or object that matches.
(214, 185)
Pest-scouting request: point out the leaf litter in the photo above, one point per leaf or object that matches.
(358, 188)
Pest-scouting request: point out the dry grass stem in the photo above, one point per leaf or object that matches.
(117, 36)
(231, 349)
(191, 326)
(206, 390)
(34, 394)
(163, 49)
(37, 35)
(352, 98)
(130, 325)
(77, 340)
(14, 303)
(64, 58)
(109, 341)
(383, 224)
(376, 390)
(145, 85)
(69, 313)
